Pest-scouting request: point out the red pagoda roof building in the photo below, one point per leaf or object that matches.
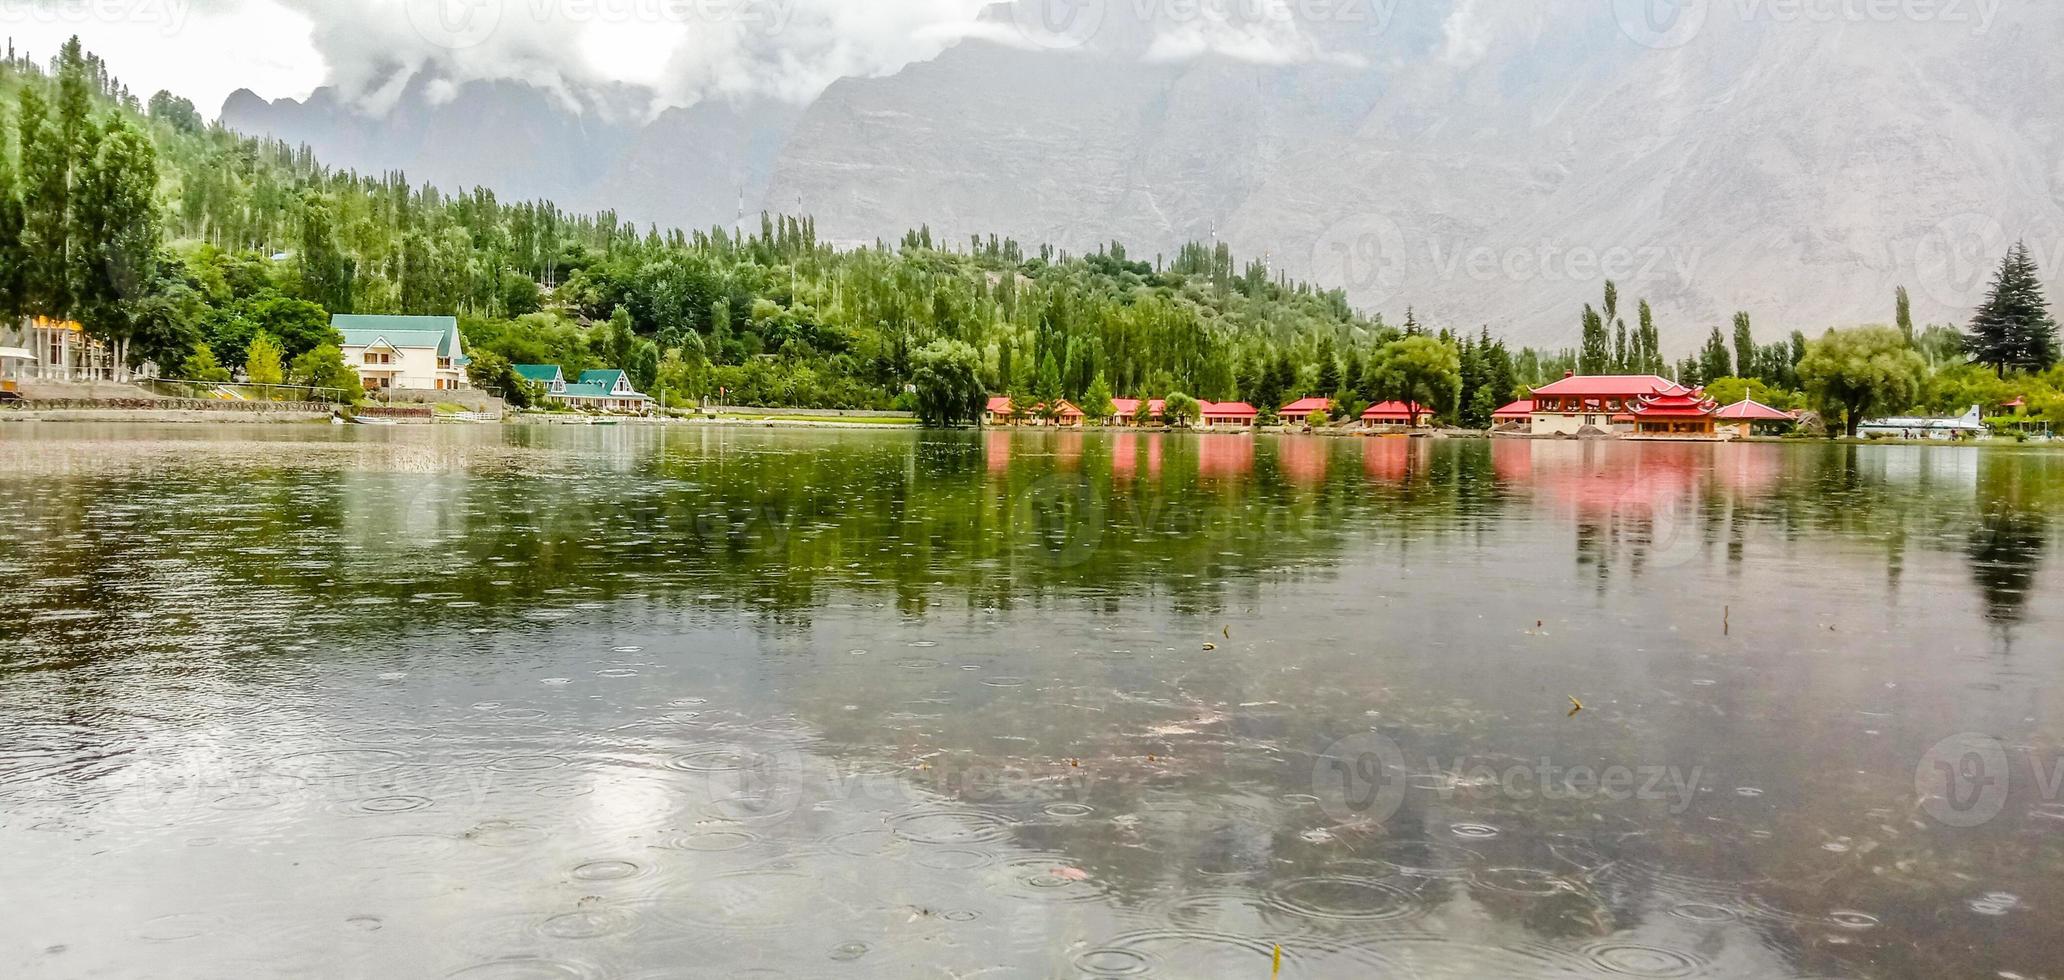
(1679, 411)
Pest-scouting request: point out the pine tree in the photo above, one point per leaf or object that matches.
(2014, 327)
(1049, 393)
(1329, 367)
(1097, 402)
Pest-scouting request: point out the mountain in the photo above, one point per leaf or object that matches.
(686, 166)
(1485, 165)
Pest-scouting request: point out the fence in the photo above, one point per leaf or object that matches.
(226, 391)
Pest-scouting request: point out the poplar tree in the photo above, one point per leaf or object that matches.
(11, 257)
(45, 185)
(1744, 346)
(1596, 354)
(114, 234)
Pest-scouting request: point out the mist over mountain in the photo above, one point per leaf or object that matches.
(1485, 163)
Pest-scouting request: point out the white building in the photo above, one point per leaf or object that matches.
(1966, 426)
(415, 352)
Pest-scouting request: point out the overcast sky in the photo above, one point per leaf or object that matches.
(677, 51)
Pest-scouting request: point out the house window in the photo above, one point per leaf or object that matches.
(444, 363)
(378, 357)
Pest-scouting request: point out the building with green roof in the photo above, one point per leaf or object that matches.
(413, 352)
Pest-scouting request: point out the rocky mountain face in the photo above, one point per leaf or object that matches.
(1486, 164)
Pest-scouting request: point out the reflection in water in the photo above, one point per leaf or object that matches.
(550, 701)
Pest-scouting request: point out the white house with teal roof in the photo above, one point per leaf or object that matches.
(418, 352)
(546, 376)
(608, 390)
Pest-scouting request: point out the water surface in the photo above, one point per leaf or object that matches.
(639, 702)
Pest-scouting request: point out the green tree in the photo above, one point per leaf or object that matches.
(12, 259)
(326, 272)
(46, 219)
(948, 378)
(1144, 414)
(1860, 370)
(2013, 329)
(1179, 409)
(492, 373)
(201, 365)
(1902, 306)
(1097, 402)
(1596, 354)
(1049, 394)
(1715, 361)
(262, 363)
(1745, 363)
(1418, 369)
(114, 235)
(323, 367)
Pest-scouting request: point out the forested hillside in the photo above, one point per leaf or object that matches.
(208, 253)
(249, 237)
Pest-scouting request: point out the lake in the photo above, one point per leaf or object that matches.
(570, 702)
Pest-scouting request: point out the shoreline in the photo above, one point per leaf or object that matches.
(29, 413)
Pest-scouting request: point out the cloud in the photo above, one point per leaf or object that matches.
(625, 56)
(1265, 32)
(1474, 27)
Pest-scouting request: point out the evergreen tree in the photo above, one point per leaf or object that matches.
(1097, 402)
(1715, 361)
(2014, 327)
(1049, 393)
(1328, 366)
(1622, 358)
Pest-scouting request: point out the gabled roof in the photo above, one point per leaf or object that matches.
(1229, 409)
(606, 377)
(1396, 410)
(539, 372)
(999, 405)
(1606, 386)
(1751, 410)
(1128, 407)
(1306, 406)
(1522, 408)
(367, 330)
